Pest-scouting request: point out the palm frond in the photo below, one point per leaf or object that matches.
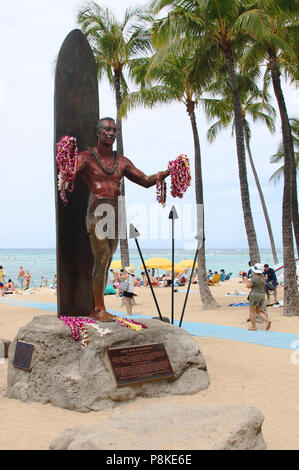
(214, 130)
(277, 175)
(147, 98)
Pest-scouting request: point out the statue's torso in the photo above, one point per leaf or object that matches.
(99, 183)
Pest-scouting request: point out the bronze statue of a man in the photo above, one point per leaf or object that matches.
(102, 170)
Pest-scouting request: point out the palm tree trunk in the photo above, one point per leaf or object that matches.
(295, 214)
(124, 245)
(207, 299)
(291, 297)
(259, 188)
(245, 197)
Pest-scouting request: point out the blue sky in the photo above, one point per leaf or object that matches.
(31, 35)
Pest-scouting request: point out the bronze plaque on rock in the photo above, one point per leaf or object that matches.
(135, 364)
(23, 356)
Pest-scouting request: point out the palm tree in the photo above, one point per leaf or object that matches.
(254, 103)
(173, 82)
(272, 25)
(278, 157)
(115, 44)
(212, 22)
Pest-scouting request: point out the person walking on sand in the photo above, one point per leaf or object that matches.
(257, 284)
(128, 292)
(21, 277)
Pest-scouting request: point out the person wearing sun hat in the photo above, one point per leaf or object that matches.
(128, 292)
(257, 284)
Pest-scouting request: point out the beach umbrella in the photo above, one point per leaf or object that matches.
(157, 263)
(117, 265)
(177, 268)
(188, 263)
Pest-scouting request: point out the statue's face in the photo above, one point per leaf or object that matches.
(108, 132)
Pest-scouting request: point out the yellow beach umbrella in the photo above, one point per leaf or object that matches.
(157, 263)
(188, 263)
(177, 268)
(117, 265)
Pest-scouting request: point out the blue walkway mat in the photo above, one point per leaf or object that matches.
(264, 338)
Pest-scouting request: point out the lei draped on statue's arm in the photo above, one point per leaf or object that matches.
(180, 174)
(67, 165)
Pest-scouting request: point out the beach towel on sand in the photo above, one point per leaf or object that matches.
(239, 305)
(109, 290)
(237, 292)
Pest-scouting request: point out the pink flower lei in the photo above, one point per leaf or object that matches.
(67, 162)
(76, 324)
(180, 175)
(161, 190)
(180, 179)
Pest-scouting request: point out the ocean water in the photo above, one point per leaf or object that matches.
(42, 262)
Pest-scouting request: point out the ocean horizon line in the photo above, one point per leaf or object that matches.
(151, 248)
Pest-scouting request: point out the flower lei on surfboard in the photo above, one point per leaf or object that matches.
(79, 327)
(67, 162)
(180, 179)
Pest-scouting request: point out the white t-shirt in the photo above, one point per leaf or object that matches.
(130, 280)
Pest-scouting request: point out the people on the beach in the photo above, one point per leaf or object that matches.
(10, 286)
(27, 279)
(167, 282)
(249, 272)
(154, 281)
(53, 283)
(144, 281)
(122, 280)
(43, 282)
(271, 283)
(137, 281)
(21, 277)
(128, 292)
(257, 284)
(2, 280)
(180, 280)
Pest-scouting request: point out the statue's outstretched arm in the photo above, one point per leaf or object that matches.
(138, 177)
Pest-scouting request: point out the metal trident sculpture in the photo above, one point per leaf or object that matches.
(200, 238)
(172, 216)
(135, 234)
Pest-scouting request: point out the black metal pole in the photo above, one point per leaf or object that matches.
(172, 286)
(188, 290)
(148, 278)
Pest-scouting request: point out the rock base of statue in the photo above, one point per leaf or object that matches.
(67, 375)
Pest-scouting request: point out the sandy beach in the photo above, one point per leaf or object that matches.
(240, 373)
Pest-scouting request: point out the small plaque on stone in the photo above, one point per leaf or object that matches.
(23, 356)
(135, 364)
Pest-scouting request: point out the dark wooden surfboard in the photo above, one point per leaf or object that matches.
(76, 114)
